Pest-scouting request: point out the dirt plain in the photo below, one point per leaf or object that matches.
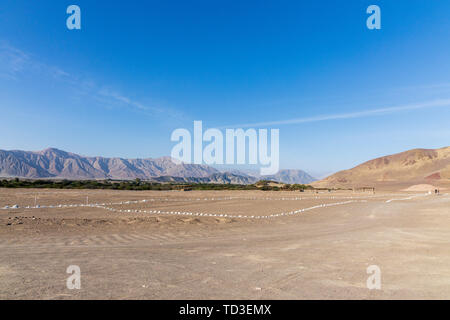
(322, 253)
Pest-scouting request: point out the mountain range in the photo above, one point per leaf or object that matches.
(58, 164)
(290, 176)
(411, 167)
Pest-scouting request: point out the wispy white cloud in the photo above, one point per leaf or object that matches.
(432, 86)
(12, 61)
(438, 103)
(118, 97)
(112, 97)
(15, 63)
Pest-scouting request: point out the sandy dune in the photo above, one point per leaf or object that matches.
(322, 253)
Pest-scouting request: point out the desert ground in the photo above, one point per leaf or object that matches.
(224, 244)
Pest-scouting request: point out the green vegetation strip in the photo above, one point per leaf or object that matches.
(145, 185)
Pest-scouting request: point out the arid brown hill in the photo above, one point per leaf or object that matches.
(431, 166)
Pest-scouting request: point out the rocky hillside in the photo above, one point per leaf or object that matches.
(410, 167)
(54, 163)
(291, 176)
(58, 164)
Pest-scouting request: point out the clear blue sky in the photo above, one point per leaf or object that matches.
(138, 70)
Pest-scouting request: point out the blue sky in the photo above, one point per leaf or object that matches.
(339, 93)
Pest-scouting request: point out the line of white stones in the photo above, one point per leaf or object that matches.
(184, 213)
(149, 200)
(407, 198)
(176, 200)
